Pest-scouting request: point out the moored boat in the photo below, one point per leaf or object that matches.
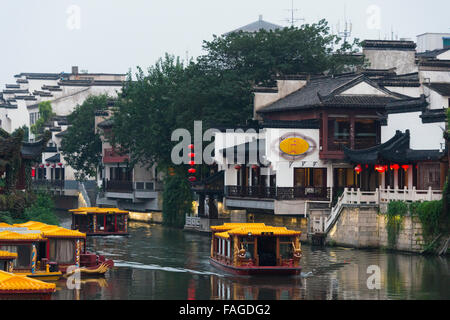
(254, 248)
(47, 251)
(100, 221)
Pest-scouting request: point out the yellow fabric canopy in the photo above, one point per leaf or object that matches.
(84, 210)
(10, 282)
(7, 255)
(253, 229)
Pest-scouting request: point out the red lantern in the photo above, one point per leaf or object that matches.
(254, 167)
(41, 166)
(405, 167)
(53, 165)
(192, 163)
(191, 155)
(60, 164)
(395, 167)
(380, 168)
(358, 169)
(47, 164)
(192, 170)
(237, 167)
(33, 172)
(192, 179)
(191, 146)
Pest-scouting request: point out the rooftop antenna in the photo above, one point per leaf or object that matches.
(292, 20)
(347, 31)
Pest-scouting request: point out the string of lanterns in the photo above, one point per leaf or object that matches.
(383, 168)
(192, 170)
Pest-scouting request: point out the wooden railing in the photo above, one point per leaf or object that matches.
(119, 186)
(278, 193)
(377, 197)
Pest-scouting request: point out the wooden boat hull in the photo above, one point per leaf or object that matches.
(103, 234)
(41, 275)
(276, 270)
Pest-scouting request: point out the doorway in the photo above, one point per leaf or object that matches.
(267, 251)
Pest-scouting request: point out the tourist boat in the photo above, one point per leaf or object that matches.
(13, 286)
(47, 251)
(100, 221)
(254, 248)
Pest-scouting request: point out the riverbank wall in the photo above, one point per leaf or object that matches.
(363, 226)
(149, 217)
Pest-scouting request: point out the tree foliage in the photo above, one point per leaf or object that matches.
(217, 87)
(82, 146)
(45, 114)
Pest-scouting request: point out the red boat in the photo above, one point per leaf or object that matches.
(255, 249)
(46, 251)
(100, 221)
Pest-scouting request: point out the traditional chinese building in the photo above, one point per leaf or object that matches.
(373, 130)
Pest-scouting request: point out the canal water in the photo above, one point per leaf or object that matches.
(160, 263)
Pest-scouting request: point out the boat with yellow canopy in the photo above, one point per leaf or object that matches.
(100, 221)
(254, 248)
(47, 251)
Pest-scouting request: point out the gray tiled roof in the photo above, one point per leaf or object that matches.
(442, 88)
(256, 26)
(324, 92)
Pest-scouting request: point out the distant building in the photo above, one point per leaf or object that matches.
(260, 24)
(19, 106)
(134, 188)
(432, 41)
(324, 142)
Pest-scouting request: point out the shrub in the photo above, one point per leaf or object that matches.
(394, 219)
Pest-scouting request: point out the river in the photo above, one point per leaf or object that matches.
(160, 263)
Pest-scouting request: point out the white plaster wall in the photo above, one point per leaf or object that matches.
(36, 84)
(444, 56)
(228, 139)
(436, 100)
(273, 151)
(434, 76)
(414, 92)
(427, 136)
(364, 88)
(403, 60)
(430, 41)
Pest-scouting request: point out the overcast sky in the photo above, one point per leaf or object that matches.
(112, 36)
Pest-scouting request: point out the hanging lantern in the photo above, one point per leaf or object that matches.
(192, 179)
(395, 167)
(191, 155)
(53, 165)
(405, 167)
(191, 146)
(237, 167)
(380, 168)
(33, 172)
(358, 169)
(41, 166)
(192, 170)
(60, 164)
(192, 163)
(47, 164)
(255, 167)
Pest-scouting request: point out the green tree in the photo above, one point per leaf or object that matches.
(82, 146)
(45, 114)
(217, 88)
(26, 132)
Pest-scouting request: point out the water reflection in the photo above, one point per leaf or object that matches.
(156, 263)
